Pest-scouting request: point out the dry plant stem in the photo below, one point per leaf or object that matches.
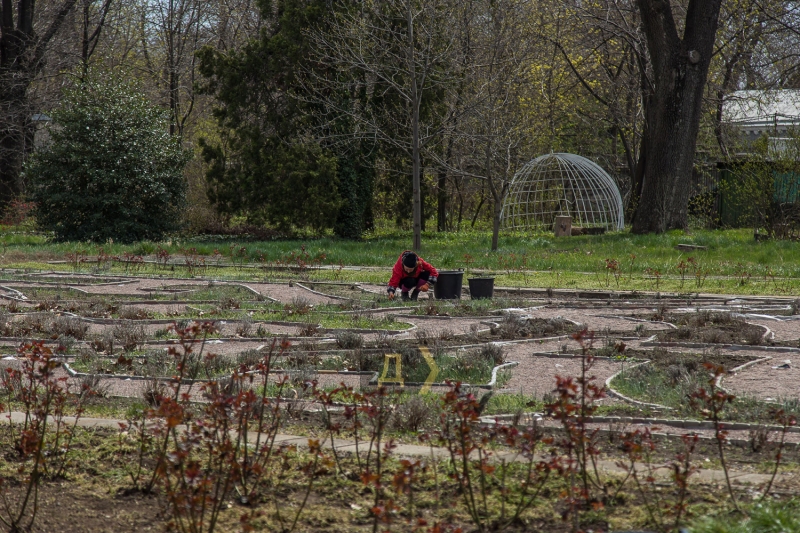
(482, 477)
(315, 449)
(379, 423)
(638, 446)
(523, 504)
(681, 472)
(283, 451)
(144, 442)
(460, 413)
(435, 464)
(325, 400)
(356, 399)
(172, 409)
(711, 403)
(786, 422)
(331, 430)
(720, 438)
(465, 449)
(526, 444)
(210, 458)
(576, 401)
(265, 434)
(43, 396)
(503, 489)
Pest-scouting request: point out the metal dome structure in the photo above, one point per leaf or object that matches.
(562, 185)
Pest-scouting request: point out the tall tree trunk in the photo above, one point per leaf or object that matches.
(441, 199)
(422, 192)
(21, 59)
(498, 208)
(415, 155)
(680, 69)
(13, 146)
(89, 39)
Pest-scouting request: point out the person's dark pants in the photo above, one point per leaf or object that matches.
(413, 284)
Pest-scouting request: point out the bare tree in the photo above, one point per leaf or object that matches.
(233, 22)
(606, 51)
(757, 48)
(26, 31)
(493, 138)
(172, 31)
(397, 56)
(93, 20)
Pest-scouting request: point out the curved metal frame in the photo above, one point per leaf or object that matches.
(562, 185)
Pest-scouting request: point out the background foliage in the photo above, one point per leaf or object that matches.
(112, 170)
(303, 125)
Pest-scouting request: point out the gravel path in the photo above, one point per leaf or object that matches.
(784, 330)
(599, 319)
(135, 388)
(767, 383)
(279, 291)
(227, 329)
(441, 327)
(739, 434)
(536, 374)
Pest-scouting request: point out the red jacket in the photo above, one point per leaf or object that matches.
(398, 273)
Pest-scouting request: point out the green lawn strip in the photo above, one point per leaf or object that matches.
(755, 284)
(733, 263)
(535, 251)
(197, 293)
(157, 363)
(768, 517)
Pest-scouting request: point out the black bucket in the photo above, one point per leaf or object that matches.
(448, 286)
(480, 288)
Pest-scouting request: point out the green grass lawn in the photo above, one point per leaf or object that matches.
(733, 263)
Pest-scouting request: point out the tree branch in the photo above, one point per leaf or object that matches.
(50, 32)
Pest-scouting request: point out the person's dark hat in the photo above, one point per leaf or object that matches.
(410, 260)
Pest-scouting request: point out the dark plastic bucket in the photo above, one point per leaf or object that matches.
(448, 286)
(480, 288)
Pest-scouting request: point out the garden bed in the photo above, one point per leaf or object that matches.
(473, 366)
(669, 378)
(712, 328)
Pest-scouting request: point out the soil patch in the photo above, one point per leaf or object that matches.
(66, 506)
(691, 362)
(515, 327)
(712, 328)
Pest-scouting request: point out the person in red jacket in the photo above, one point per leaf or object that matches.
(411, 273)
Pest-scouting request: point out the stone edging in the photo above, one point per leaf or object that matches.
(642, 320)
(733, 347)
(367, 330)
(168, 321)
(251, 289)
(490, 385)
(616, 394)
(749, 364)
(684, 424)
(496, 369)
(31, 279)
(332, 297)
(125, 377)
